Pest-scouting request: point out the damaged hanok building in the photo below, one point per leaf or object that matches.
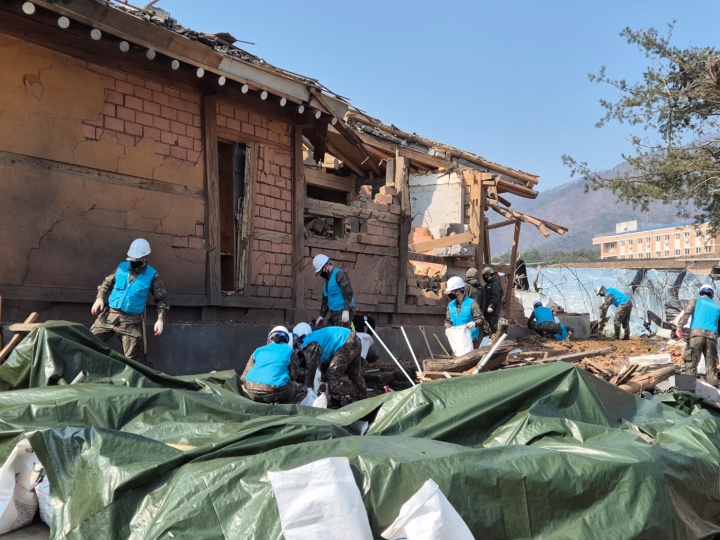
(118, 122)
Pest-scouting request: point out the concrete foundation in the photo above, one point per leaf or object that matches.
(580, 323)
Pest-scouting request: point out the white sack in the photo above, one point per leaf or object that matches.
(428, 515)
(320, 500)
(460, 339)
(18, 477)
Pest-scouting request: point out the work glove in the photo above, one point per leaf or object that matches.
(470, 325)
(679, 332)
(345, 316)
(319, 322)
(98, 306)
(158, 327)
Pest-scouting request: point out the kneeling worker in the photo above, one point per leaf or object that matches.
(336, 350)
(704, 330)
(269, 374)
(463, 310)
(122, 297)
(543, 322)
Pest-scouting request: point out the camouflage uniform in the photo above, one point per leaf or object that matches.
(700, 342)
(343, 373)
(622, 316)
(334, 318)
(126, 326)
(480, 322)
(292, 392)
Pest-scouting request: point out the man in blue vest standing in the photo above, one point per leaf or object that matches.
(122, 297)
(463, 310)
(336, 351)
(623, 304)
(543, 322)
(337, 299)
(271, 374)
(703, 336)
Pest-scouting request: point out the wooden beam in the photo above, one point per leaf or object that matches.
(298, 220)
(447, 241)
(480, 246)
(513, 265)
(402, 184)
(516, 189)
(346, 162)
(319, 178)
(502, 224)
(328, 209)
(414, 155)
(212, 188)
(20, 327)
(475, 209)
(574, 357)
(17, 338)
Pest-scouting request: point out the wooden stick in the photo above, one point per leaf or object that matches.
(650, 380)
(17, 338)
(441, 345)
(482, 362)
(422, 331)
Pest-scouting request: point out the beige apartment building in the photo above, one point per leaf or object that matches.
(667, 241)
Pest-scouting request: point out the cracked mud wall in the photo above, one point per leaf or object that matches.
(90, 159)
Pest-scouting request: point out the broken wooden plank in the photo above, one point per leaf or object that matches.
(574, 357)
(649, 380)
(318, 178)
(17, 338)
(20, 327)
(453, 240)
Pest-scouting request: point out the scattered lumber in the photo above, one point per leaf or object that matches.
(648, 380)
(575, 357)
(624, 374)
(17, 338)
(453, 364)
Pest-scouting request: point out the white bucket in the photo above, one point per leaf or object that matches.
(460, 339)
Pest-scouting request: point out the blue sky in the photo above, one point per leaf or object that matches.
(506, 79)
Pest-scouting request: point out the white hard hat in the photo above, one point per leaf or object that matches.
(281, 330)
(598, 289)
(319, 261)
(454, 283)
(708, 290)
(138, 249)
(301, 329)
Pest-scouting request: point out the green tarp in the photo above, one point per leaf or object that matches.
(547, 451)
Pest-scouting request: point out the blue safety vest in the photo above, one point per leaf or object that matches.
(543, 314)
(333, 292)
(131, 297)
(563, 333)
(330, 339)
(619, 298)
(272, 365)
(465, 315)
(706, 315)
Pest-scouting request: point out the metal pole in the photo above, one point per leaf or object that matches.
(80, 377)
(367, 324)
(482, 362)
(411, 349)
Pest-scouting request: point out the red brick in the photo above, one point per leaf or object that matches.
(161, 123)
(145, 119)
(125, 114)
(193, 108)
(254, 119)
(112, 96)
(196, 243)
(248, 128)
(199, 229)
(195, 133)
(151, 107)
(265, 245)
(123, 87)
(171, 91)
(168, 112)
(233, 124)
(88, 131)
(273, 137)
(193, 155)
(261, 132)
(385, 199)
(117, 75)
(155, 87)
(162, 99)
(114, 123)
(134, 103)
(177, 103)
(180, 241)
(134, 129)
(150, 132)
(136, 80)
(192, 98)
(98, 69)
(184, 117)
(177, 127)
(108, 109)
(168, 138)
(143, 93)
(197, 145)
(162, 148)
(126, 140)
(197, 121)
(275, 292)
(222, 121)
(264, 211)
(178, 153)
(185, 142)
(286, 270)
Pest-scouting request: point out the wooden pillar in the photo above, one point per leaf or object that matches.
(480, 247)
(298, 224)
(212, 207)
(402, 184)
(513, 264)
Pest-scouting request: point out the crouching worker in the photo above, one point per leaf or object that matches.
(624, 307)
(463, 310)
(336, 350)
(543, 322)
(269, 374)
(703, 337)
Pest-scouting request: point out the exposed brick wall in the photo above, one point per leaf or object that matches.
(136, 108)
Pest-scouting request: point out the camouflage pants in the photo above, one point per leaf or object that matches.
(127, 327)
(702, 343)
(547, 328)
(292, 392)
(334, 318)
(344, 374)
(622, 318)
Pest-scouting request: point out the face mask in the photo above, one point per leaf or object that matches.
(324, 274)
(487, 277)
(452, 296)
(137, 265)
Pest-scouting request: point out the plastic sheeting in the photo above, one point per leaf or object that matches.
(573, 289)
(540, 451)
